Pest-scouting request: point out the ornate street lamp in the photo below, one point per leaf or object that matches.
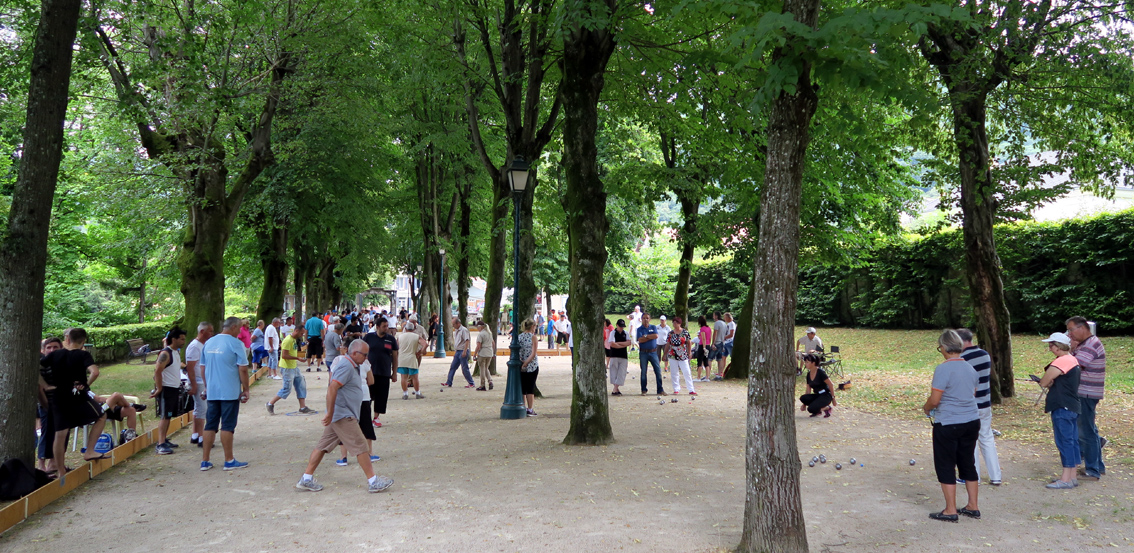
(442, 315)
(513, 407)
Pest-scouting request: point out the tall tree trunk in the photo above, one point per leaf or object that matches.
(738, 364)
(300, 283)
(586, 50)
(773, 511)
(689, 206)
(311, 288)
(23, 244)
(978, 209)
(524, 297)
(464, 234)
(273, 259)
(201, 257)
(142, 289)
(497, 251)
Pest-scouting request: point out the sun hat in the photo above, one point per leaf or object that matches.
(1059, 338)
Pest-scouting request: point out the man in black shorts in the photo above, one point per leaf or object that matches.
(167, 386)
(71, 370)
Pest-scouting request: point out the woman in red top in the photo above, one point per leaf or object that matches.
(606, 330)
(679, 344)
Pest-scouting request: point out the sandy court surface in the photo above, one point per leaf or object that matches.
(467, 481)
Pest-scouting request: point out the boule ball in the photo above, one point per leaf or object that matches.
(912, 462)
(662, 402)
(815, 459)
(811, 463)
(838, 466)
(822, 459)
(852, 460)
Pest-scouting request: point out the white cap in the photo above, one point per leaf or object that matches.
(810, 330)
(1059, 338)
(663, 317)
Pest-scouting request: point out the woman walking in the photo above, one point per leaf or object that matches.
(704, 338)
(822, 394)
(679, 343)
(956, 427)
(1061, 378)
(529, 369)
(616, 343)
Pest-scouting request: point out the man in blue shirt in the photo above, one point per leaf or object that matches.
(225, 366)
(647, 336)
(315, 330)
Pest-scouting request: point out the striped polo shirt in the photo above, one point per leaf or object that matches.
(982, 363)
(1092, 359)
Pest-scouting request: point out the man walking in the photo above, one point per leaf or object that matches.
(316, 328)
(410, 346)
(1089, 351)
(485, 353)
(333, 343)
(716, 352)
(196, 372)
(226, 375)
(340, 424)
(461, 345)
(647, 338)
(383, 356)
(272, 339)
(986, 442)
(289, 370)
(167, 386)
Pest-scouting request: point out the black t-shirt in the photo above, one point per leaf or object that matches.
(64, 367)
(819, 383)
(353, 329)
(1064, 392)
(381, 354)
(432, 330)
(618, 353)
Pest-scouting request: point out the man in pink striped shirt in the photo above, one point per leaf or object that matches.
(1087, 348)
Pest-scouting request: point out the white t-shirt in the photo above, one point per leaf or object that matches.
(731, 330)
(365, 368)
(570, 335)
(193, 353)
(271, 338)
(171, 375)
(663, 333)
(810, 344)
(285, 330)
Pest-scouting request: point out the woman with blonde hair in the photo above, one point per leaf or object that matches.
(956, 427)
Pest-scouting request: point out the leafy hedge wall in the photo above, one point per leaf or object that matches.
(110, 342)
(1051, 271)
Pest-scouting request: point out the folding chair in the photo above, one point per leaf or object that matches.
(832, 362)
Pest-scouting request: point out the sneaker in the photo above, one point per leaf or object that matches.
(194, 441)
(490, 387)
(662, 393)
(420, 395)
(163, 449)
(128, 434)
(380, 484)
(405, 395)
(205, 465)
(170, 444)
(377, 423)
(234, 464)
(482, 389)
(1060, 485)
(375, 458)
(718, 378)
(305, 410)
(470, 386)
(995, 482)
(532, 413)
(309, 370)
(271, 408)
(827, 413)
(1102, 442)
(960, 482)
(341, 462)
(691, 393)
(138, 407)
(446, 384)
(308, 485)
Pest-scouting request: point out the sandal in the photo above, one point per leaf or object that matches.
(971, 513)
(103, 456)
(942, 516)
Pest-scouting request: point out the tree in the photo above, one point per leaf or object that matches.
(587, 46)
(23, 243)
(773, 511)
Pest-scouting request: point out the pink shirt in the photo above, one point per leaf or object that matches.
(245, 336)
(706, 335)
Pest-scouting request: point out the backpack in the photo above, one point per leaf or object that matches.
(17, 479)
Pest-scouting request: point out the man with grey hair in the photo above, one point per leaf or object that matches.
(1091, 354)
(986, 442)
(196, 373)
(272, 343)
(226, 373)
(341, 425)
(333, 343)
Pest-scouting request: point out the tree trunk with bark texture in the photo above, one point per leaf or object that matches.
(738, 362)
(689, 208)
(983, 270)
(773, 510)
(23, 244)
(497, 251)
(273, 258)
(524, 297)
(587, 46)
(300, 283)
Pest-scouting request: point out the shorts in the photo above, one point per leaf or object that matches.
(716, 352)
(527, 382)
(200, 406)
(407, 371)
(314, 347)
(73, 411)
(222, 414)
(114, 414)
(618, 370)
(562, 338)
(727, 351)
(343, 431)
(259, 354)
(954, 451)
(364, 422)
(167, 402)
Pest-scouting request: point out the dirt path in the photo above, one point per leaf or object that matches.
(467, 481)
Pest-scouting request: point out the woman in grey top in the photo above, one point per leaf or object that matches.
(529, 364)
(956, 427)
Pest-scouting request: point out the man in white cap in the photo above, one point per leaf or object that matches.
(810, 343)
(663, 335)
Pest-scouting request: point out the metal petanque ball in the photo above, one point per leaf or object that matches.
(822, 459)
(814, 459)
(852, 461)
(838, 466)
(811, 463)
(912, 462)
(662, 402)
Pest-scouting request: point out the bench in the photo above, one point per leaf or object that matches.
(138, 348)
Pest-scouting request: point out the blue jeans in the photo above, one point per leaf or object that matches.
(273, 360)
(1063, 423)
(652, 358)
(1089, 444)
(292, 377)
(460, 359)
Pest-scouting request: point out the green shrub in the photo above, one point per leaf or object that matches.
(110, 336)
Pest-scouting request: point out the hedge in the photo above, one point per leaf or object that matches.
(110, 342)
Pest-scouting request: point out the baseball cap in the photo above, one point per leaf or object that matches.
(663, 317)
(810, 330)
(621, 323)
(1059, 338)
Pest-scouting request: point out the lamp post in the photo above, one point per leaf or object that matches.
(439, 352)
(513, 407)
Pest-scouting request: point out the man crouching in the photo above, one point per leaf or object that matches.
(344, 397)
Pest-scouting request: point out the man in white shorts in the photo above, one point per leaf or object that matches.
(196, 373)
